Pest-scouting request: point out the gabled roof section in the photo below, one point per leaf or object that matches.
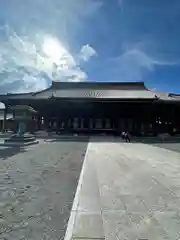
(96, 90)
(168, 97)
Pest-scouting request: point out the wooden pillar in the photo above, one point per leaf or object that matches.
(172, 120)
(48, 123)
(82, 123)
(79, 122)
(39, 122)
(59, 123)
(91, 123)
(154, 120)
(75, 123)
(65, 124)
(70, 122)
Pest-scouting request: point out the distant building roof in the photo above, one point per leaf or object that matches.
(163, 96)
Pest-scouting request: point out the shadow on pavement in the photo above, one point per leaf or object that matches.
(7, 152)
(49, 136)
(83, 139)
(172, 144)
(156, 140)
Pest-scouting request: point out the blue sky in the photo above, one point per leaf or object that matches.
(89, 40)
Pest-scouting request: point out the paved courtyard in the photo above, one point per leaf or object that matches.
(171, 146)
(127, 191)
(37, 187)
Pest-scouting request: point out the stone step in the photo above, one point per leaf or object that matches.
(18, 144)
(16, 140)
(20, 139)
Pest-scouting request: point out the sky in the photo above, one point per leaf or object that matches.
(89, 40)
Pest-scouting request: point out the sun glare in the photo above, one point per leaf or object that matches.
(53, 49)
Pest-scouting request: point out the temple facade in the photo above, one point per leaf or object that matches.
(107, 108)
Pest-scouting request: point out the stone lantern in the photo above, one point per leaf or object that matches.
(23, 114)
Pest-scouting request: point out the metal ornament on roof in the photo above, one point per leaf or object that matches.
(51, 96)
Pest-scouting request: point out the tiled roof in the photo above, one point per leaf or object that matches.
(103, 94)
(96, 90)
(133, 90)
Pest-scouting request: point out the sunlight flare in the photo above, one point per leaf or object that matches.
(53, 49)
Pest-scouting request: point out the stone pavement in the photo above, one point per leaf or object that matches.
(171, 146)
(37, 188)
(127, 191)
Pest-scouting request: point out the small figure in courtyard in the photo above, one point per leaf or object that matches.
(125, 136)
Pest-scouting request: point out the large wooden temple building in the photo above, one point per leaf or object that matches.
(91, 107)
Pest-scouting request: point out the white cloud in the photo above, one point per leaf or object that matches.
(87, 52)
(24, 65)
(134, 63)
(120, 3)
(62, 17)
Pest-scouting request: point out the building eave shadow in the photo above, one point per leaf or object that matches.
(158, 141)
(81, 139)
(101, 138)
(107, 139)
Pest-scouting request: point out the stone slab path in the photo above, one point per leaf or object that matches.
(127, 191)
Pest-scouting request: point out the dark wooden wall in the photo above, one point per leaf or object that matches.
(145, 116)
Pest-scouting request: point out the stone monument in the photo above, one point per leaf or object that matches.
(22, 115)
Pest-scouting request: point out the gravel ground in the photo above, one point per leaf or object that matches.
(37, 188)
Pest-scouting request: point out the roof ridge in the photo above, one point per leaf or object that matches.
(128, 85)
